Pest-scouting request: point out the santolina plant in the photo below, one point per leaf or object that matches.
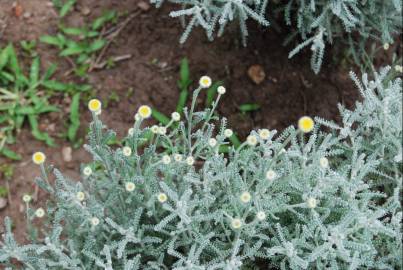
(319, 196)
(316, 22)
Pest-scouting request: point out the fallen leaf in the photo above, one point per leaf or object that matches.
(256, 74)
(18, 9)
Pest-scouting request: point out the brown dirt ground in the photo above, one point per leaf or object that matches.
(289, 90)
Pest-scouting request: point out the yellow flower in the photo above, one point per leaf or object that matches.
(38, 158)
(40, 212)
(306, 124)
(130, 186)
(236, 223)
(144, 111)
(80, 196)
(162, 197)
(205, 81)
(94, 105)
(245, 197)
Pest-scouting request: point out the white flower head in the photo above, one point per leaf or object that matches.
(130, 186)
(324, 162)
(162, 130)
(130, 132)
(386, 46)
(212, 142)
(166, 159)
(26, 198)
(162, 197)
(80, 196)
(40, 213)
(261, 215)
(87, 171)
(178, 157)
(236, 223)
(271, 175)
(190, 160)
(311, 202)
(94, 221)
(399, 68)
(228, 132)
(245, 197)
(251, 140)
(221, 90)
(154, 129)
(137, 117)
(264, 134)
(176, 116)
(205, 82)
(127, 151)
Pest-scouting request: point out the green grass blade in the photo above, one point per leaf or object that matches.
(10, 154)
(67, 7)
(74, 117)
(235, 140)
(183, 96)
(34, 72)
(160, 117)
(249, 107)
(212, 92)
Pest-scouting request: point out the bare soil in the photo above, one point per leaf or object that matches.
(289, 90)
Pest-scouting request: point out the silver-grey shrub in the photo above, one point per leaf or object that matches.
(331, 199)
(315, 22)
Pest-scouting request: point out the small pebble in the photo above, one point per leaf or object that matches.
(144, 6)
(67, 154)
(85, 11)
(3, 202)
(256, 74)
(27, 15)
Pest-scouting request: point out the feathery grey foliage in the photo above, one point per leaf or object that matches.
(331, 199)
(316, 22)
